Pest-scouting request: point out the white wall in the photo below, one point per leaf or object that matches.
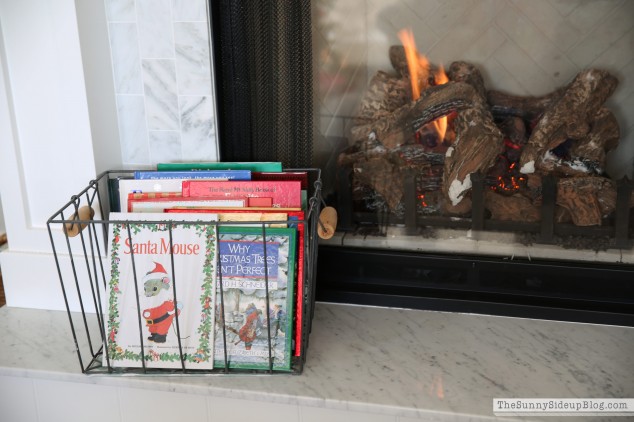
(97, 66)
(45, 139)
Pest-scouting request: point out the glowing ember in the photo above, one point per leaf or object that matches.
(511, 181)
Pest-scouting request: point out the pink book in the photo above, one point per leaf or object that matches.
(284, 194)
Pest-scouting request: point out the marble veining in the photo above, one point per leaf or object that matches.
(165, 146)
(405, 363)
(192, 58)
(161, 50)
(132, 129)
(198, 134)
(159, 81)
(126, 61)
(120, 11)
(189, 10)
(156, 37)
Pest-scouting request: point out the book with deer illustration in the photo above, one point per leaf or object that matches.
(161, 291)
(252, 264)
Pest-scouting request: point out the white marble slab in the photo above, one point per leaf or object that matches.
(198, 128)
(189, 10)
(192, 58)
(405, 363)
(120, 11)
(126, 60)
(156, 36)
(161, 101)
(133, 129)
(165, 146)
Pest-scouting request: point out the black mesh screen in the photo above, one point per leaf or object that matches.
(263, 65)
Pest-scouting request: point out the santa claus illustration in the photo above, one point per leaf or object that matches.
(159, 319)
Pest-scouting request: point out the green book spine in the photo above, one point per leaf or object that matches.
(256, 166)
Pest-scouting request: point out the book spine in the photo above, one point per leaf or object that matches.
(202, 174)
(283, 193)
(299, 307)
(254, 166)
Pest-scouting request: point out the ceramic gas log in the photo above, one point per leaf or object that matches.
(455, 127)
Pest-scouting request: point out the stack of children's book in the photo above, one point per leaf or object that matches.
(185, 290)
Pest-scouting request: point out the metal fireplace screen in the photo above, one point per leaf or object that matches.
(263, 65)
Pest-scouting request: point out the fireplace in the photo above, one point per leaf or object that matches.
(522, 206)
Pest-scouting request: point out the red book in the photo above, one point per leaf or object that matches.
(141, 196)
(284, 194)
(302, 176)
(299, 307)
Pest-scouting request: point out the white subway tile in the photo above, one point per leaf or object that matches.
(132, 129)
(120, 11)
(192, 58)
(17, 399)
(189, 10)
(126, 61)
(159, 81)
(156, 36)
(198, 128)
(76, 402)
(139, 405)
(235, 410)
(165, 146)
(318, 414)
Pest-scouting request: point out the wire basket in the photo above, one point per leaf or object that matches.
(79, 234)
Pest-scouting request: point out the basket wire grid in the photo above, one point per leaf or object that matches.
(83, 279)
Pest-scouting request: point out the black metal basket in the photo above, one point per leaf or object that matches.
(81, 260)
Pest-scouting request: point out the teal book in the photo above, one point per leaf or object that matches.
(246, 328)
(262, 166)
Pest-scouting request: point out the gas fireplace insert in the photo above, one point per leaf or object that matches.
(479, 153)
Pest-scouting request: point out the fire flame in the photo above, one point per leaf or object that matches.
(419, 71)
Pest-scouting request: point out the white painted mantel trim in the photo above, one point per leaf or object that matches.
(45, 139)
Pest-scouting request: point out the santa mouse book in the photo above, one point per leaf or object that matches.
(161, 291)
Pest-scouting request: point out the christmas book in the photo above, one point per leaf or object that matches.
(248, 334)
(161, 290)
(285, 194)
(253, 166)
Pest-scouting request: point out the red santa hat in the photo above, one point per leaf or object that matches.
(158, 268)
(157, 272)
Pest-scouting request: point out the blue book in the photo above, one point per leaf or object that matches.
(194, 174)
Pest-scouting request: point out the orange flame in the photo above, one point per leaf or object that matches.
(418, 67)
(441, 123)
